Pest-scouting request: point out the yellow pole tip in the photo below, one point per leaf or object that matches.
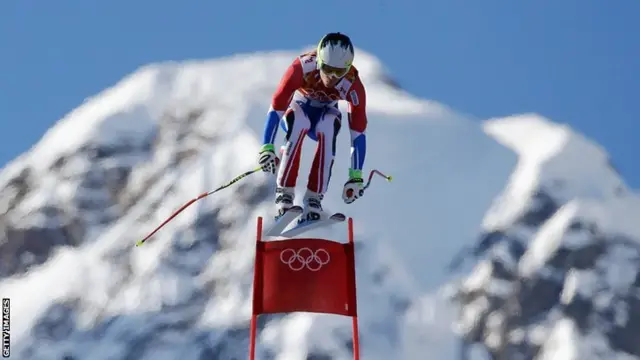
(390, 178)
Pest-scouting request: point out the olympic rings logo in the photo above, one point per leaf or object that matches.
(305, 258)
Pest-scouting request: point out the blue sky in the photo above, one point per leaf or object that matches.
(575, 61)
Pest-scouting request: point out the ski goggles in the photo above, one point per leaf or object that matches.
(330, 70)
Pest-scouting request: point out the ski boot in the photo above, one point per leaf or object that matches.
(286, 211)
(312, 207)
(284, 200)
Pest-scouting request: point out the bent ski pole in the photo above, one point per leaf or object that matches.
(374, 171)
(201, 196)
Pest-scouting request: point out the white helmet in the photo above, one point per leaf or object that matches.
(335, 54)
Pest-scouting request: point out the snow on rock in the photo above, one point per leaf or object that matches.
(553, 156)
(550, 213)
(561, 245)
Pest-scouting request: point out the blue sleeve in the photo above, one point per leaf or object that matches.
(358, 150)
(271, 126)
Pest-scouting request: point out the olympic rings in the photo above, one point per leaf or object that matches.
(305, 257)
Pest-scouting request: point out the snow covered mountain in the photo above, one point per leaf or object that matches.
(508, 239)
(559, 254)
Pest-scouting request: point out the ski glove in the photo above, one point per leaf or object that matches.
(354, 188)
(268, 159)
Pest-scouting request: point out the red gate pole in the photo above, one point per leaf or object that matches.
(356, 337)
(256, 280)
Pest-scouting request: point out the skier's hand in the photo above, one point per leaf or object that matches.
(268, 159)
(354, 188)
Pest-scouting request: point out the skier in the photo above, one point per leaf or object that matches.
(305, 104)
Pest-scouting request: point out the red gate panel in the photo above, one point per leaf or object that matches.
(304, 275)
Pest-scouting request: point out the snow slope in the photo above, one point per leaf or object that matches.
(119, 164)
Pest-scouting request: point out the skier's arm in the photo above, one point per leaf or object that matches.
(357, 114)
(290, 82)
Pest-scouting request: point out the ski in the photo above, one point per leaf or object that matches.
(307, 225)
(284, 220)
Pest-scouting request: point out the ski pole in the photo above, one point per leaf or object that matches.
(201, 196)
(376, 172)
(373, 172)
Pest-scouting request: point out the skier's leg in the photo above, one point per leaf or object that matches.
(297, 125)
(327, 131)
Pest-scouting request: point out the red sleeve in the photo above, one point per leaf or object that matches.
(357, 99)
(290, 82)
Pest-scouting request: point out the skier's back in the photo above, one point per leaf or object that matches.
(306, 104)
